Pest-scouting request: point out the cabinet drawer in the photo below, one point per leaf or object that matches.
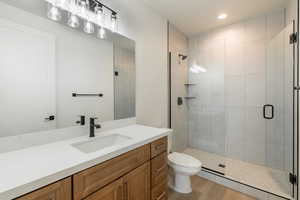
(94, 178)
(160, 192)
(159, 169)
(159, 146)
(60, 190)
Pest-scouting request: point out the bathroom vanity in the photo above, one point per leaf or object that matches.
(137, 174)
(131, 170)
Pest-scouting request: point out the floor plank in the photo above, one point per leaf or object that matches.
(206, 190)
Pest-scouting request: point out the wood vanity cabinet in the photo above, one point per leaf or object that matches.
(140, 174)
(137, 183)
(94, 178)
(113, 191)
(159, 146)
(133, 186)
(61, 190)
(159, 169)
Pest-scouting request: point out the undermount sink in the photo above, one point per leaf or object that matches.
(98, 143)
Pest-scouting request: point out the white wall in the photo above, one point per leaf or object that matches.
(149, 30)
(226, 118)
(84, 64)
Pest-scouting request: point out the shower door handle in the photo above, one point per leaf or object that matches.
(265, 111)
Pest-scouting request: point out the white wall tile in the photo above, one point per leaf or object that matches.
(234, 91)
(256, 29)
(255, 57)
(255, 90)
(234, 58)
(255, 137)
(275, 22)
(235, 132)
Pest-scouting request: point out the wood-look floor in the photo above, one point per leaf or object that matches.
(206, 190)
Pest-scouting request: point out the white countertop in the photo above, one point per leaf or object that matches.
(28, 169)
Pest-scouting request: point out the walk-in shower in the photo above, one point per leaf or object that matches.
(238, 112)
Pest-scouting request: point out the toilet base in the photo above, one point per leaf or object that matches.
(181, 184)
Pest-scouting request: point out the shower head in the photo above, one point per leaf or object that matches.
(183, 57)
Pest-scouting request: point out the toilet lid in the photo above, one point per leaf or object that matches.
(184, 160)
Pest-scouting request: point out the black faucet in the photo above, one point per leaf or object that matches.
(93, 126)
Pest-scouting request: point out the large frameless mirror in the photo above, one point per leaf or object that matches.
(57, 65)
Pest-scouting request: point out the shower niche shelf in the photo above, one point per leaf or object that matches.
(190, 84)
(190, 98)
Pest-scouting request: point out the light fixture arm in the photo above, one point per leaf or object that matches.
(97, 2)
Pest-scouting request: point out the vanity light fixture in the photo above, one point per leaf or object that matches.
(88, 27)
(100, 15)
(73, 21)
(101, 33)
(113, 22)
(54, 12)
(91, 12)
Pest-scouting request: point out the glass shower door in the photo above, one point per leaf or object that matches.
(278, 112)
(241, 119)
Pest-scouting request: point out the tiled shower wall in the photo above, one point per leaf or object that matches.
(226, 116)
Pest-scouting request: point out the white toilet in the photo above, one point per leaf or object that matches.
(184, 166)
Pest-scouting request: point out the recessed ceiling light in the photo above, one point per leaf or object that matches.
(222, 16)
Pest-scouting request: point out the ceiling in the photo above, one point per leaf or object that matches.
(196, 16)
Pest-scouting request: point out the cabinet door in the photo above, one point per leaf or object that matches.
(137, 183)
(60, 190)
(95, 178)
(113, 191)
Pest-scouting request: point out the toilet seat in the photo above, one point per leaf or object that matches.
(184, 160)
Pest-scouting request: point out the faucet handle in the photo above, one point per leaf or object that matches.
(97, 126)
(81, 121)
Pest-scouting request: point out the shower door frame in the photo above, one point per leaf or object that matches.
(296, 108)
